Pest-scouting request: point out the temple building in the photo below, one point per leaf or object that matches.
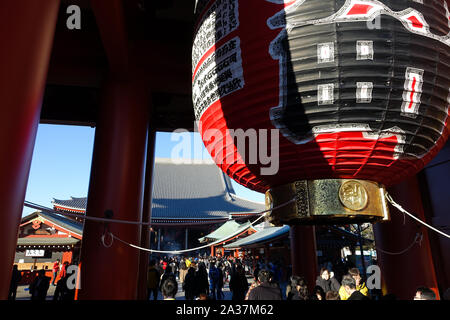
(193, 204)
(273, 244)
(43, 238)
(128, 72)
(189, 202)
(228, 232)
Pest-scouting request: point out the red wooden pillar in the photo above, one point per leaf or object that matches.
(433, 183)
(26, 34)
(303, 253)
(146, 216)
(117, 184)
(402, 274)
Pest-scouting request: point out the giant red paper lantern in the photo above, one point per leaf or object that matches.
(358, 89)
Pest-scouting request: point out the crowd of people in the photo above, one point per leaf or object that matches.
(38, 288)
(248, 279)
(204, 278)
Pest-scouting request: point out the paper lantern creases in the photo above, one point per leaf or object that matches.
(357, 89)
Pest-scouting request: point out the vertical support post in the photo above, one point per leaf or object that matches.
(186, 236)
(26, 35)
(416, 264)
(159, 239)
(303, 253)
(116, 184)
(433, 185)
(146, 216)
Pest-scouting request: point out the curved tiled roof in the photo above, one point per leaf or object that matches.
(264, 235)
(339, 237)
(64, 222)
(198, 191)
(72, 203)
(229, 227)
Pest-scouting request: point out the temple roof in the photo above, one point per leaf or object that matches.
(189, 191)
(199, 191)
(266, 234)
(66, 223)
(72, 203)
(329, 236)
(225, 230)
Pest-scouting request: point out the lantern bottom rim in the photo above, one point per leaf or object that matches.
(327, 201)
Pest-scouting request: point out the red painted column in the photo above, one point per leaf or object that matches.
(117, 184)
(402, 274)
(26, 34)
(303, 253)
(146, 216)
(433, 183)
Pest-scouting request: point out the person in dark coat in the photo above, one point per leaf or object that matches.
(168, 274)
(201, 278)
(297, 289)
(15, 279)
(62, 291)
(256, 272)
(189, 285)
(214, 276)
(220, 295)
(153, 278)
(266, 289)
(349, 284)
(326, 282)
(238, 284)
(39, 287)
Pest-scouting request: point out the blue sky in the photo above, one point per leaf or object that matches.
(62, 157)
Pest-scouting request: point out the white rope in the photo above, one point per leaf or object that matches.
(399, 207)
(417, 239)
(240, 230)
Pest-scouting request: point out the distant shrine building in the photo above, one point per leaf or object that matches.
(189, 202)
(194, 205)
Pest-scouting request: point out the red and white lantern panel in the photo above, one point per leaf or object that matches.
(358, 89)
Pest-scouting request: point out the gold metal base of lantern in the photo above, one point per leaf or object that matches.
(327, 201)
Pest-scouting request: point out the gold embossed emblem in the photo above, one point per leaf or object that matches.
(353, 195)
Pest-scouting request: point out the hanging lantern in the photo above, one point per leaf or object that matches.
(358, 91)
